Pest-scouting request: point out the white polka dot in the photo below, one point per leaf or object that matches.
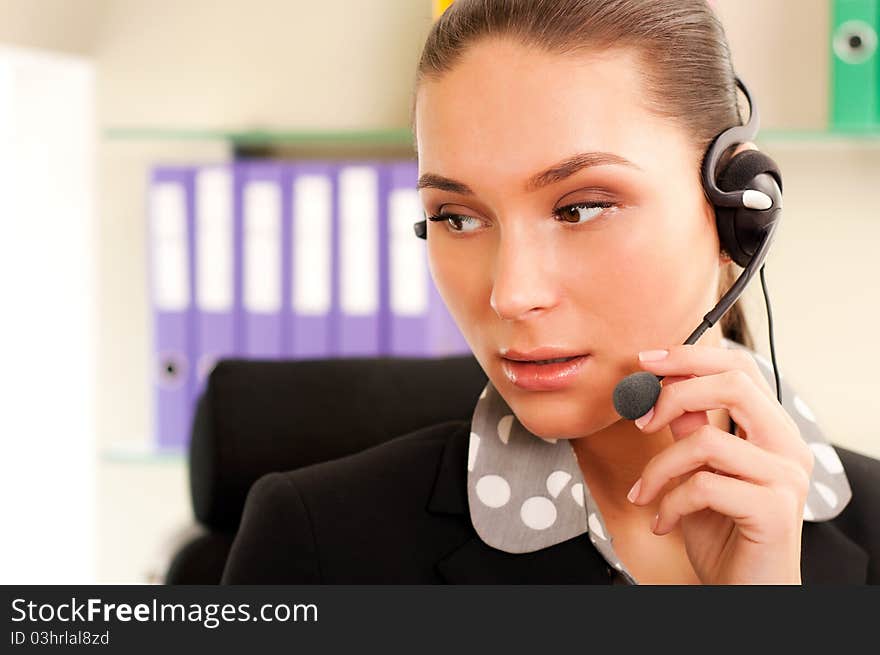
(577, 492)
(556, 482)
(595, 526)
(808, 513)
(493, 490)
(538, 512)
(827, 493)
(504, 426)
(473, 447)
(827, 457)
(802, 408)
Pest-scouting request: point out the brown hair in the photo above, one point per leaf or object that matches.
(688, 75)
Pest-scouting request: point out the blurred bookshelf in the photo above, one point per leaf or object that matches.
(276, 143)
(816, 136)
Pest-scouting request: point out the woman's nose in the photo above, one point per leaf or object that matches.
(524, 280)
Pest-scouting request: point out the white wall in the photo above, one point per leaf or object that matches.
(68, 26)
(821, 274)
(48, 328)
(774, 48)
(822, 279)
(206, 63)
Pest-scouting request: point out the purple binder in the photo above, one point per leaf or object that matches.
(170, 229)
(309, 203)
(407, 309)
(258, 206)
(419, 323)
(214, 271)
(360, 258)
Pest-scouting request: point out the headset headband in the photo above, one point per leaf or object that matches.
(730, 137)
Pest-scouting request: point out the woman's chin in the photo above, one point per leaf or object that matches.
(561, 419)
(571, 412)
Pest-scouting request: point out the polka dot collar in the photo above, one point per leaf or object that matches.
(526, 493)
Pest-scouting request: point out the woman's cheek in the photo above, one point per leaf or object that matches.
(462, 285)
(650, 291)
(442, 264)
(675, 290)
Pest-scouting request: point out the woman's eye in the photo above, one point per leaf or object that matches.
(582, 213)
(456, 220)
(578, 214)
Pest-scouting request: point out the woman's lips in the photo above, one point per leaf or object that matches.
(543, 377)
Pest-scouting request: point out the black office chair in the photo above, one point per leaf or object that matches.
(260, 416)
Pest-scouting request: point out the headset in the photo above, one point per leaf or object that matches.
(747, 198)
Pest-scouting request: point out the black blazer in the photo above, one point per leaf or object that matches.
(397, 513)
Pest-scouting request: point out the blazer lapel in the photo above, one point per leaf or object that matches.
(575, 561)
(828, 556)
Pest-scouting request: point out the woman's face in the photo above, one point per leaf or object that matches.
(610, 282)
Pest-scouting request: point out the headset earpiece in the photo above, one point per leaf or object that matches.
(741, 229)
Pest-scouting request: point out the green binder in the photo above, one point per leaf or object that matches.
(855, 71)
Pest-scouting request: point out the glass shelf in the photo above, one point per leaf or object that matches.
(817, 136)
(381, 136)
(402, 138)
(127, 452)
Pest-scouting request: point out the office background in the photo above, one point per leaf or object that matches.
(84, 497)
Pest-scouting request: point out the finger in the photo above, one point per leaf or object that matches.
(707, 360)
(741, 501)
(721, 452)
(763, 420)
(688, 422)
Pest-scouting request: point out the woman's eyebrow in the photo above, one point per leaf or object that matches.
(556, 173)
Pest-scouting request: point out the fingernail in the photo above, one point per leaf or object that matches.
(643, 420)
(656, 521)
(634, 492)
(652, 355)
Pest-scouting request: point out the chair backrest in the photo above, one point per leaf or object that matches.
(260, 416)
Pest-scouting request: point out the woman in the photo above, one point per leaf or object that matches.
(559, 146)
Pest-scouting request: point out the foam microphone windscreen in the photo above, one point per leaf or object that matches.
(635, 394)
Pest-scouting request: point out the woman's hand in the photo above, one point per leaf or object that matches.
(740, 499)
